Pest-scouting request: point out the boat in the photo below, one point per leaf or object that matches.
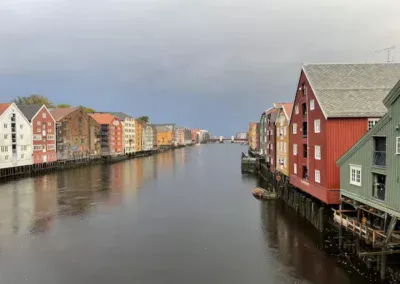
(263, 194)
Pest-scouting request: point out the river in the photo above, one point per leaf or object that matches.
(185, 216)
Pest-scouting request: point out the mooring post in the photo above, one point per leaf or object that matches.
(321, 219)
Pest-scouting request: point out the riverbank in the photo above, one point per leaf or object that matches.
(42, 168)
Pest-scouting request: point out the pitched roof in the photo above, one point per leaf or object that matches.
(162, 128)
(103, 118)
(121, 115)
(59, 113)
(352, 90)
(287, 108)
(4, 107)
(29, 110)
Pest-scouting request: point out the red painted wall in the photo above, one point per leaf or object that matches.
(115, 136)
(337, 135)
(44, 125)
(341, 135)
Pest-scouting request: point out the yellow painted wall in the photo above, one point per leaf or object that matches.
(282, 143)
(138, 136)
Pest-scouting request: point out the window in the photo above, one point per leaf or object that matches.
(317, 176)
(294, 128)
(398, 145)
(21, 126)
(50, 137)
(305, 151)
(21, 136)
(37, 137)
(295, 168)
(5, 136)
(49, 123)
(296, 109)
(51, 147)
(22, 156)
(284, 162)
(44, 115)
(37, 147)
(38, 130)
(295, 149)
(6, 157)
(38, 123)
(3, 149)
(282, 119)
(355, 175)
(379, 152)
(5, 125)
(305, 172)
(317, 126)
(312, 105)
(372, 122)
(284, 147)
(285, 130)
(379, 186)
(318, 152)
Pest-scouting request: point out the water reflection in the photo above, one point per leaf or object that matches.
(296, 244)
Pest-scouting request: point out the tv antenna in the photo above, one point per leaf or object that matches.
(389, 51)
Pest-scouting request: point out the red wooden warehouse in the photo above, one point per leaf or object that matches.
(335, 105)
(44, 133)
(270, 133)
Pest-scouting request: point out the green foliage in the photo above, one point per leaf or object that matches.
(87, 109)
(63, 105)
(143, 118)
(34, 100)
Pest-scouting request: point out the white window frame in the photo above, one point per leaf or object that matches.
(44, 115)
(295, 168)
(296, 109)
(317, 152)
(294, 128)
(312, 104)
(317, 122)
(398, 145)
(284, 147)
(295, 149)
(355, 168)
(317, 176)
(373, 121)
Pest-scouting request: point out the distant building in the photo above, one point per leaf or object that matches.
(15, 137)
(149, 138)
(282, 138)
(195, 135)
(110, 134)
(77, 133)
(204, 136)
(270, 135)
(165, 135)
(242, 135)
(187, 136)
(138, 139)
(128, 129)
(254, 135)
(43, 132)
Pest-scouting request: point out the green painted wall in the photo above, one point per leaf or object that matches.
(364, 157)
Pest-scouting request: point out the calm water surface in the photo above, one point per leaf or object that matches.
(179, 217)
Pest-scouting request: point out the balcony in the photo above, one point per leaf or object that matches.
(305, 129)
(379, 159)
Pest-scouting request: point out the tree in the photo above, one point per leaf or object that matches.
(63, 105)
(143, 118)
(34, 100)
(87, 109)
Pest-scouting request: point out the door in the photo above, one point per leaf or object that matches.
(44, 159)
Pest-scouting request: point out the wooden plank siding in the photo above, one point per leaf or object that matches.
(362, 154)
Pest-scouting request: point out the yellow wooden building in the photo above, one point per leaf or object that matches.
(282, 138)
(165, 135)
(138, 136)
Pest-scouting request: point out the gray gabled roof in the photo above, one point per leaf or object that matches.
(29, 110)
(352, 90)
(120, 115)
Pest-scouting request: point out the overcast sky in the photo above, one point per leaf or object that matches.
(212, 64)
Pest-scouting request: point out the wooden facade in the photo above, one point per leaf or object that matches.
(370, 170)
(111, 134)
(322, 135)
(282, 138)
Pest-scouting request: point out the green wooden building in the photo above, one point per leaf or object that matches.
(370, 180)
